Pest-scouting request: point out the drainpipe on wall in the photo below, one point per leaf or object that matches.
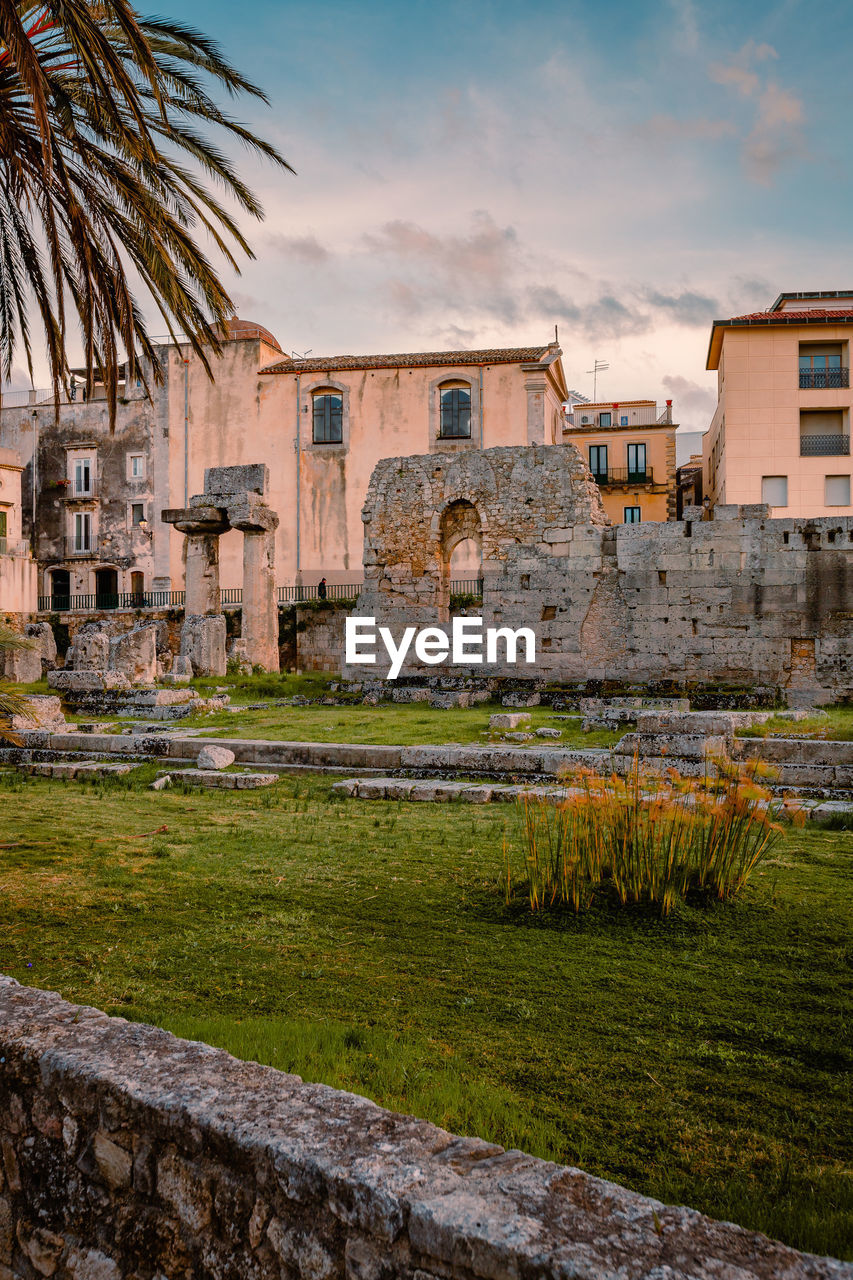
(298, 485)
(481, 406)
(186, 432)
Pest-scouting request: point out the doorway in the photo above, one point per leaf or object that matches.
(106, 588)
(60, 590)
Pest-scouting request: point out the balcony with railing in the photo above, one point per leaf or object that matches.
(829, 446)
(81, 548)
(817, 379)
(84, 493)
(615, 477)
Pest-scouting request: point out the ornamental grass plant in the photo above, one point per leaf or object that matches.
(646, 838)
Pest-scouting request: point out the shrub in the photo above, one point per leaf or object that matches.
(643, 839)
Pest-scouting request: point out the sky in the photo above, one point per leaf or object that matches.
(473, 174)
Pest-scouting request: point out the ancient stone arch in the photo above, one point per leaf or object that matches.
(459, 522)
(418, 509)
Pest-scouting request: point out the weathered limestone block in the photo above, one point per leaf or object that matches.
(135, 654)
(91, 649)
(203, 642)
(40, 711)
(509, 720)
(87, 681)
(237, 656)
(21, 665)
(42, 634)
(215, 758)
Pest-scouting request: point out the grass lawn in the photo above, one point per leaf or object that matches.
(836, 725)
(400, 723)
(704, 1059)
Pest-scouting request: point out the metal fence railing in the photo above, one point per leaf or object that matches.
(824, 446)
(819, 378)
(229, 596)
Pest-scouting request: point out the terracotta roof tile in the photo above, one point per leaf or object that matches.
(416, 359)
(792, 317)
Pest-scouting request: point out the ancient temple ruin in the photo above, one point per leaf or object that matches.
(233, 498)
(728, 596)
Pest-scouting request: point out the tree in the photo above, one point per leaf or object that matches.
(107, 178)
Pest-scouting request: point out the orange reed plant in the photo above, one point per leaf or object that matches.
(644, 838)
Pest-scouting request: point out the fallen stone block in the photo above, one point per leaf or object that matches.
(518, 737)
(509, 720)
(161, 783)
(215, 758)
(40, 711)
(549, 733)
(225, 781)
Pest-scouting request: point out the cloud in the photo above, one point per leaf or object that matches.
(666, 128)
(485, 254)
(687, 308)
(776, 133)
(304, 248)
(693, 404)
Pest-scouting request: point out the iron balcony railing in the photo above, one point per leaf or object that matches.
(71, 493)
(818, 378)
(81, 548)
(623, 475)
(824, 446)
(228, 596)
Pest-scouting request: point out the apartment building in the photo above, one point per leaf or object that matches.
(630, 448)
(781, 430)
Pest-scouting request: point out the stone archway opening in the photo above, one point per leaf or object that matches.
(460, 546)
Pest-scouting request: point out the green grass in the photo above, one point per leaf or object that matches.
(704, 1059)
(836, 725)
(406, 724)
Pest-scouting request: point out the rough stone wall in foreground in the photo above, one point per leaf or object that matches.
(130, 1155)
(740, 599)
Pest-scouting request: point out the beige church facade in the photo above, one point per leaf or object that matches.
(321, 424)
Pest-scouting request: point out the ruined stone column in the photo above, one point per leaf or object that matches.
(260, 607)
(202, 573)
(203, 632)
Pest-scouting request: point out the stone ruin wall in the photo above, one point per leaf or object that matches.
(130, 1155)
(738, 599)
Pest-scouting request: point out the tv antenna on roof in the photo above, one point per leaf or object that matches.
(301, 355)
(598, 367)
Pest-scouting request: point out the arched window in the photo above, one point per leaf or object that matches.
(328, 409)
(455, 402)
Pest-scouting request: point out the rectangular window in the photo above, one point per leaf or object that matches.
(774, 490)
(3, 527)
(837, 491)
(823, 365)
(137, 512)
(136, 466)
(328, 419)
(605, 419)
(633, 515)
(636, 463)
(82, 476)
(455, 413)
(598, 462)
(82, 531)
